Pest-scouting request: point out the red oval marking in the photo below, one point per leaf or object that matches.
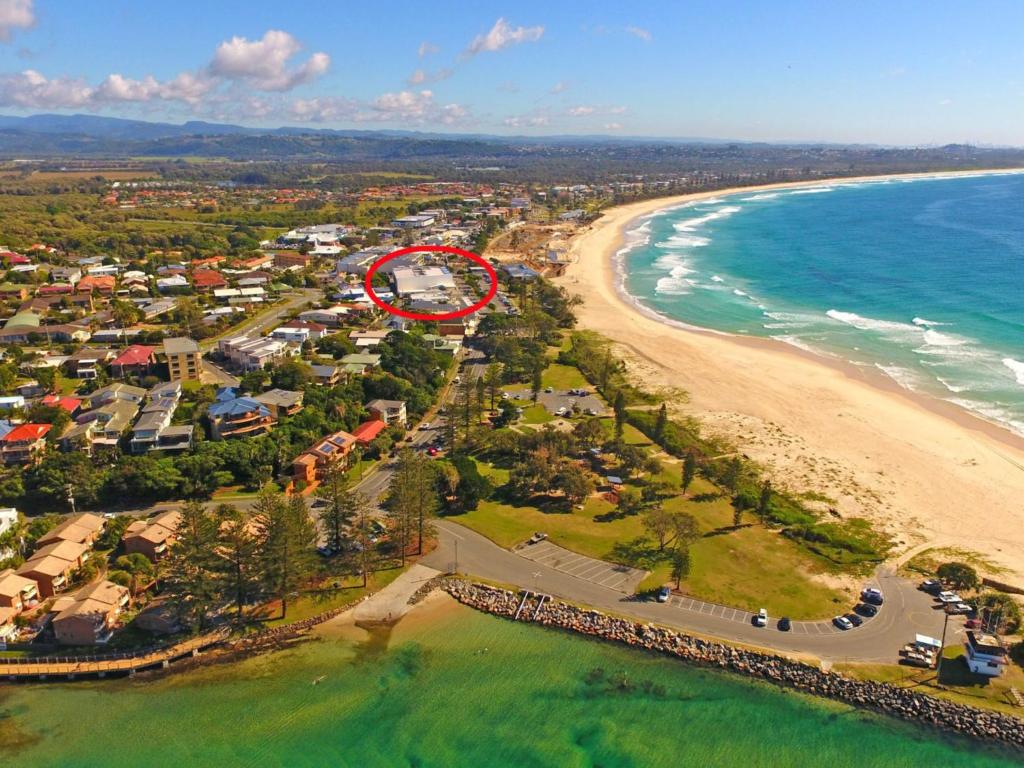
(491, 292)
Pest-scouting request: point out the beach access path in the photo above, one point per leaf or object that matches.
(906, 611)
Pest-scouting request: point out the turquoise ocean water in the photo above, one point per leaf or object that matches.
(463, 689)
(921, 279)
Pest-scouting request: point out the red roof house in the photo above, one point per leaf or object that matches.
(69, 404)
(208, 280)
(138, 359)
(98, 283)
(367, 432)
(24, 443)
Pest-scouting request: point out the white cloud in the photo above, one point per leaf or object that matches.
(617, 110)
(261, 65)
(420, 76)
(15, 14)
(560, 87)
(32, 89)
(264, 62)
(502, 35)
(400, 107)
(581, 111)
(426, 49)
(640, 32)
(613, 126)
(534, 121)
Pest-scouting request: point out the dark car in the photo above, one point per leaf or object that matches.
(784, 624)
(872, 595)
(866, 609)
(855, 619)
(931, 586)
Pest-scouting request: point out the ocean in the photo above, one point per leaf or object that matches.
(456, 688)
(920, 279)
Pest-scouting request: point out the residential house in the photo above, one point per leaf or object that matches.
(327, 375)
(207, 280)
(152, 537)
(10, 402)
(332, 317)
(184, 360)
(80, 529)
(368, 339)
(51, 567)
(90, 616)
(136, 360)
(73, 405)
(314, 331)
(117, 391)
(110, 421)
(70, 275)
(87, 363)
(234, 416)
(368, 431)
(24, 444)
(101, 284)
(172, 283)
(17, 592)
(359, 363)
(388, 411)
(332, 450)
(281, 402)
(296, 335)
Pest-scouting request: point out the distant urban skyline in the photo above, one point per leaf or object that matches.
(900, 74)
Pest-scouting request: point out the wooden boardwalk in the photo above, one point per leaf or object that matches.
(70, 667)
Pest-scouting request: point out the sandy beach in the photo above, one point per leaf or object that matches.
(925, 471)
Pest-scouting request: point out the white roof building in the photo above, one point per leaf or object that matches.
(416, 280)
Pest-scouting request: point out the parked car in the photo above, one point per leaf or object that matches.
(959, 609)
(948, 597)
(842, 622)
(425, 426)
(761, 619)
(931, 586)
(854, 619)
(537, 537)
(866, 609)
(872, 595)
(785, 624)
(432, 451)
(326, 551)
(663, 594)
(972, 624)
(549, 390)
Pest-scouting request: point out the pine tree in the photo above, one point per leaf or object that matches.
(660, 423)
(764, 500)
(335, 515)
(287, 538)
(689, 470)
(680, 565)
(412, 498)
(492, 380)
(237, 547)
(619, 406)
(537, 381)
(193, 568)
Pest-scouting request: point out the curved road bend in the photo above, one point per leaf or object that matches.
(905, 613)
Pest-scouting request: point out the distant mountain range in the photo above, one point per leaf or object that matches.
(51, 136)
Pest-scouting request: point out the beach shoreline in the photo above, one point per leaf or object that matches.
(915, 465)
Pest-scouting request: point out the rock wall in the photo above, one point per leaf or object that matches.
(879, 697)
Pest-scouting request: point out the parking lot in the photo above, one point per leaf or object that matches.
(745, 617)
(552, 401)
(618, 577)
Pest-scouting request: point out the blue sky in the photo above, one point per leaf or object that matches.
(893, 73)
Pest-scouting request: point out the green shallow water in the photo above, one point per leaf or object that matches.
(433, 696)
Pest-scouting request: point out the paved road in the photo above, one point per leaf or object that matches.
(905, 613)
(300, 298)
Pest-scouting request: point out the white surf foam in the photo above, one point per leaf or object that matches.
(1017, 367)
(762, 196)
(716, 279)
(689, 225)
(922, 321)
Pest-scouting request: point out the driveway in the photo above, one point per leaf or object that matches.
(621, 578)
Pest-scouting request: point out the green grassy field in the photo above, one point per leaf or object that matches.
(751, 567)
